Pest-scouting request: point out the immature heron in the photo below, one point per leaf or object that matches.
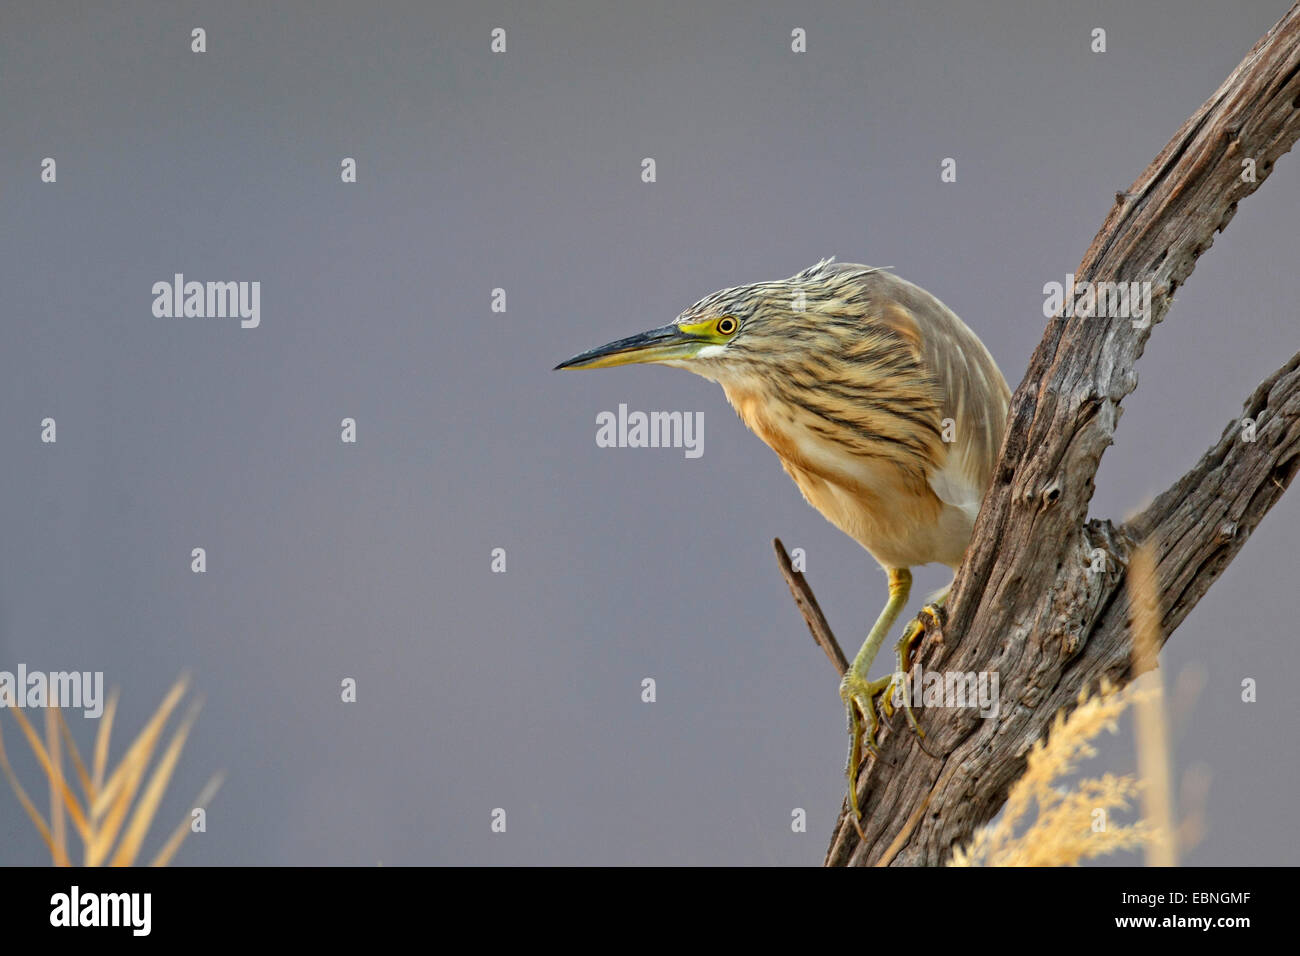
(882, 405)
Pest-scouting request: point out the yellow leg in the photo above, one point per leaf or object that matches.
(858, 693)
(896, 694)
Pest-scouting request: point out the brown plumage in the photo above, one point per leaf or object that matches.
(852, 393)
(885, 409)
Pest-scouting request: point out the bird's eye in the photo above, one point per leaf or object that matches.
(727, 325)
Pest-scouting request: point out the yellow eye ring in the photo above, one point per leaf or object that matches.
(727, 325)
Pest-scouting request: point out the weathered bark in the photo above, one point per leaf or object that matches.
(811, 610)
(1025, 604)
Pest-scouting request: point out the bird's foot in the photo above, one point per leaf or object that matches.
(859, 696)
(896, 694)
(865, 699)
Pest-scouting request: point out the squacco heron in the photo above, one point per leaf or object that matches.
(885, 409)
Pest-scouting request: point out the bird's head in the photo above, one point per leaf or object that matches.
(746, 330)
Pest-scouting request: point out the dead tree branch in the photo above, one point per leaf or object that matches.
(1028, 603)
(811, 610)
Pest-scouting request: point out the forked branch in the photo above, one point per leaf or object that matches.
(1029, 603)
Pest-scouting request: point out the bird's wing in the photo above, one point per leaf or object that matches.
(973, 393)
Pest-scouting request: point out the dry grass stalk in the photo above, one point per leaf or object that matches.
(1068, 825)
(1149, 711)
(100, 815)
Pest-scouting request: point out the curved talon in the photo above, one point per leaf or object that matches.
(936, 613)
(906, 644)
(893, 692)
(914, 632)
(898, 688)
(905, 647)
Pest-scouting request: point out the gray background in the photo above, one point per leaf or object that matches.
(521, 690)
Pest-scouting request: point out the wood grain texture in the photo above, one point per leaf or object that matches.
(810, 609)
(1026, 603)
